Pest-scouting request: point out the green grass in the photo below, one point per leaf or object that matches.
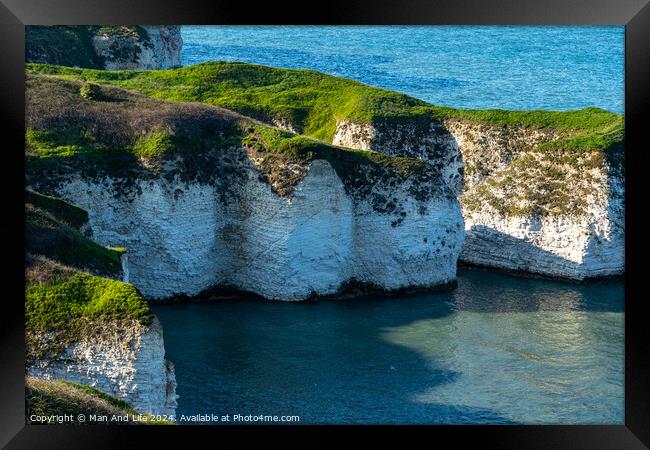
(56, 398)
(68, 134)
(61, 210)
(64, 310)
(122, 404)
(49, 233)
(313, 102)
(154, 145)
(81, 295)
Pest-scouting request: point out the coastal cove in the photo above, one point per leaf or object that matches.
(498, 349)
(349, 226)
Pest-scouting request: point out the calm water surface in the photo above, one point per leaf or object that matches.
(498, 349)
(481, 67)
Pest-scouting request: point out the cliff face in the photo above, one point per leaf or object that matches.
(551, 211)
(557, 212)
(428, 140)
(219, 200)
(182, 238)
(111, 48)
(541, 190)
(82, 324)
(126, 362)
(157, 47)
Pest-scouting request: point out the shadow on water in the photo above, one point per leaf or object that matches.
(330, 362)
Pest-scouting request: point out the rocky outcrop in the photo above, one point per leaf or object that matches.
(127, 362)
(487, 149)
(428, 140)
(81, 323)
(521, 211)
(155, 47)
(107, 47)
(186, 237)
(586, 240)
(574, 248)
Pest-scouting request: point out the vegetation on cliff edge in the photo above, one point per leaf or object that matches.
(56, 398)
(67, 294)
(132, 136)
(312, 102)
(52, 230)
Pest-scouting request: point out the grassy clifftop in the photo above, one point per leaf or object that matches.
(68, 290)
(127, 135)
(312, 102)
(551, 177)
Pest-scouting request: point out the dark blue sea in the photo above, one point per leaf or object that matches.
(498, 348)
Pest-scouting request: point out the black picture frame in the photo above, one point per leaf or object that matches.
(15, 14)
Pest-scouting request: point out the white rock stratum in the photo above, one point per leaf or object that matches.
(590, 244)
(183, 238)
(160, 50)
(127, 362)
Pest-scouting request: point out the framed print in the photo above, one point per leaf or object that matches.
(379, 219)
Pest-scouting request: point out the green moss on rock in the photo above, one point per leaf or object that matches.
(77, 305)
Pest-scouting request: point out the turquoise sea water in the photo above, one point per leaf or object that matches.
(498, 349)
(480, 67)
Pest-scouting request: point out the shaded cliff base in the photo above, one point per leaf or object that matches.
(354, 290)
(65, 402)
(350, 290)
(466, 265)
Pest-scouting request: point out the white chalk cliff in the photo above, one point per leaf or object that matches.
(158, 47)
(127, 362)
(183, 238)
(575, 246)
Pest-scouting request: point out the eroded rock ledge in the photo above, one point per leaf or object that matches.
(530, 201)
(127, 362)
(106, 47)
